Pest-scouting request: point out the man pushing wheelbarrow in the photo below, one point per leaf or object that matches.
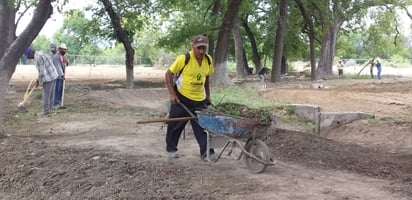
(187, 80)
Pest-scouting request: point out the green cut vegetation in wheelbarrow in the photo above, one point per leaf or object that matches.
(240, 110)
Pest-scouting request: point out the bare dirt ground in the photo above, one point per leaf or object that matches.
(93, 149)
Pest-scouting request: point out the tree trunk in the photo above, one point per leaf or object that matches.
(220, 77)
(310, 31)
(246, 67)
(239, 54)
(3, 87)
(7, 26)
(327, 51)
(284, 69)
(123, 37)
(14, 51)
(255, 53)
(217, 6)
(313, 70)
(280, 32)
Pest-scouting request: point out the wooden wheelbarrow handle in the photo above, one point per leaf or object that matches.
(165, 120)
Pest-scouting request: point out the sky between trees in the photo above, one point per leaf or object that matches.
(56, 20)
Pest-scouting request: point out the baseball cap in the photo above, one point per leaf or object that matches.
(28, 52)
(200, 40)
(53, 46)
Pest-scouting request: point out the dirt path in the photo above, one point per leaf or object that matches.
(94, 149)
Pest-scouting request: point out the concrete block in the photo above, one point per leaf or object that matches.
(324, 120)
(330, 119)
(306, 111)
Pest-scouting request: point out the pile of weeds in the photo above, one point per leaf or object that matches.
(240, 110)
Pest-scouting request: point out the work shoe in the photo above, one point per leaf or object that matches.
(172, 154)
(212, 157)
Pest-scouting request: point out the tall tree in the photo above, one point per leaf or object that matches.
(256, 58)
(280, 32)
(220, 77)
(239, 50)
(256, 18)
(216, 9)
(7, 25)
(309, 29)
(329, 17)
(120, 21)
(10, 57)
(126, 39)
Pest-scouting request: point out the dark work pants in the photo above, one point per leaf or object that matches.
(174, 129)
(59, 92)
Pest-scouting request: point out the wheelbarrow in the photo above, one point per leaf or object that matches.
(246, 134)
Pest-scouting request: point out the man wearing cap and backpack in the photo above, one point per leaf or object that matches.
(187, 80)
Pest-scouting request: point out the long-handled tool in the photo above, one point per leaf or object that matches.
(29, 91)
(362, 68)
(62, 102)
(165, 120)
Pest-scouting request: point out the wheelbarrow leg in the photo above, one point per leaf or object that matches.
(207, 145)
(223, 149)
(210, 146)
(209, 141)
(232, 148)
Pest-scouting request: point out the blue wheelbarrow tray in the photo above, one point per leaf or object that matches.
(232, 126)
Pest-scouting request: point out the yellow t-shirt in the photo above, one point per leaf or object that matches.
(191, 83)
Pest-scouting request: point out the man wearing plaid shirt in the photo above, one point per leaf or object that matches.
(47, 77)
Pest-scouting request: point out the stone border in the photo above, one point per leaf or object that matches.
(324, 120)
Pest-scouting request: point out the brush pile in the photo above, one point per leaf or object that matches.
(240, 110)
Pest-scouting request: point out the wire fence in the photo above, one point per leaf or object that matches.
(93, 60)
(75, 60)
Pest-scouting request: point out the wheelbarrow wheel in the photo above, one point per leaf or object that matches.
(259, 149)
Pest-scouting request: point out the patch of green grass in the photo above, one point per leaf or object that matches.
(26, 119)
(38, 96)
(372, 120)
(286, 114)
(84, 107)
(248, 96)
(398, 121)
(295, 120)
(355, 76)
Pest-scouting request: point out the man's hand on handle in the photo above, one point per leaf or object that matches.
(209, 102)
(173, 99)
